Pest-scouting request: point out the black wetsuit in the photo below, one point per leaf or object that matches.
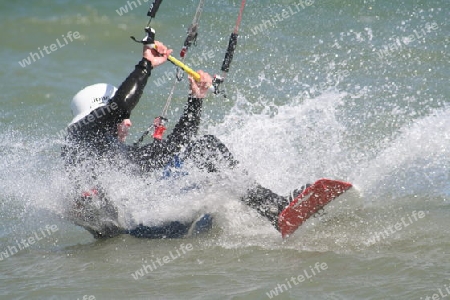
(94, 136)
(93, 139)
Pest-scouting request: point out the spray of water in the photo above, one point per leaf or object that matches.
(282, 148)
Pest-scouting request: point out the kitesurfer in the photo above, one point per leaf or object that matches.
(97, 134)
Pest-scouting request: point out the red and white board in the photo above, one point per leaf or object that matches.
(309, 202)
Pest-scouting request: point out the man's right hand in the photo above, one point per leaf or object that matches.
(156, 56)
(200, 89)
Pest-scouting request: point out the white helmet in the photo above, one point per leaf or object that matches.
(90, 98)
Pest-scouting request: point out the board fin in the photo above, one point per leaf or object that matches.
(308, 203)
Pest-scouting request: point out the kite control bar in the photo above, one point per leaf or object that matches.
(149, 39)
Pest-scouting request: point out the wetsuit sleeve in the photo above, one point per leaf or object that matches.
(130, 91)
(187, 126)
(121, 105)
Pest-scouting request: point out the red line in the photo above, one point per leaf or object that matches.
(238, 21)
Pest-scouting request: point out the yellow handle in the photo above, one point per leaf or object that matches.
(185, 68)
(181, 65)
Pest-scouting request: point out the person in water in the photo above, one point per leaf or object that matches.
(97, 135)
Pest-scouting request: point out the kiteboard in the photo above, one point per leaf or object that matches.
(309, 202)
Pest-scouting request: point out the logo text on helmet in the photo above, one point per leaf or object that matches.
(100, 99)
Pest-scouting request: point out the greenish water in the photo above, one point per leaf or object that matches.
(341, 89)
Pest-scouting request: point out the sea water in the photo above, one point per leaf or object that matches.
(349, 90)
